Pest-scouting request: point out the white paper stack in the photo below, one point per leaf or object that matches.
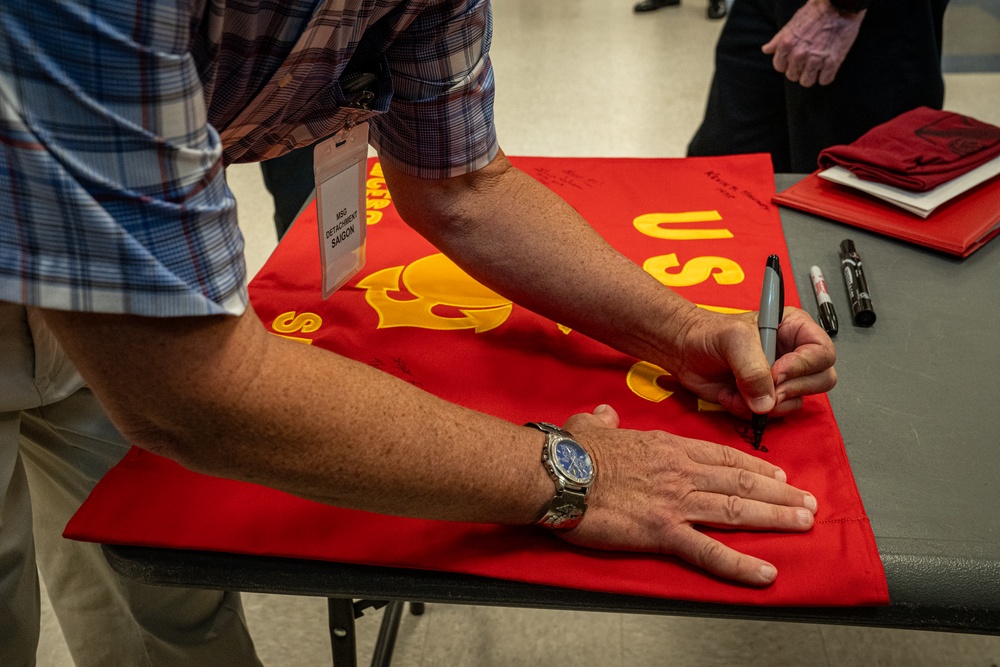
(918, 203)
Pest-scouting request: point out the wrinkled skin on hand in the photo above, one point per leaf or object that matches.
(652, 489)
(722, 361)
(811, 47)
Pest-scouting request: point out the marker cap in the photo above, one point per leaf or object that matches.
(863, 317)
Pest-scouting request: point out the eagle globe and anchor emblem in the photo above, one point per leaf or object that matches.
(427, 287)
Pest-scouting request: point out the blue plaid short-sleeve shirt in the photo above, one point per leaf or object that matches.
(118, 118)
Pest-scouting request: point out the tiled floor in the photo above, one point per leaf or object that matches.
(589, 77)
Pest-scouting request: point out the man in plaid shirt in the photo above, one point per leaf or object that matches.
(120, 256)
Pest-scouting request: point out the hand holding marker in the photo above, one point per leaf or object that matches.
(772, 306)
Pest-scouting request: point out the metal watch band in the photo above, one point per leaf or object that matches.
(568, 504)
(546, 427)
(565, 512)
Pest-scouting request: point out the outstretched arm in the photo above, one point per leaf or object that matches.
(216, 394)
(517, 237)
(222, 396)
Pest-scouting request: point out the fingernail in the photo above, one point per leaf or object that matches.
(805, 517)
(780, 475)
(601, 408)
(781, 378)
(761, 404)
(767, 573)
(809, 502)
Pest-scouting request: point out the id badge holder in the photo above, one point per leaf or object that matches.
(339, 164)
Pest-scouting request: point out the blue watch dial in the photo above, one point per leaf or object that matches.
(574, 462)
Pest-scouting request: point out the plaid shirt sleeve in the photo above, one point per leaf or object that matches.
(112, 192)
(440, 123)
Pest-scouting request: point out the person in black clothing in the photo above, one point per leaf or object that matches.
(870, 63)
(289, 179)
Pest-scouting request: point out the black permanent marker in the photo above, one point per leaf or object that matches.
(857, 285)
(827, 315)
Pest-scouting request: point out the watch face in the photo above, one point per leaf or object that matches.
(574, 462)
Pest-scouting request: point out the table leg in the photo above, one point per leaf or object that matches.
(387, 634)
(342, 638)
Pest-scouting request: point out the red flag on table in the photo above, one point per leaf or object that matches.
(703, 226)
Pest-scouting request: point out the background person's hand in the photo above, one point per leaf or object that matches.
(653, 488)
(811, 47)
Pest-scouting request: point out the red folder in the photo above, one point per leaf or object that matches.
(959, 227)
(409, 314)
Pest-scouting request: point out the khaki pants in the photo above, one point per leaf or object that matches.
(55, 444)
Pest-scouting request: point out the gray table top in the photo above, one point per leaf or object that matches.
(918, 404)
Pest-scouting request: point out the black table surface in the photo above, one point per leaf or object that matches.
(918, 405)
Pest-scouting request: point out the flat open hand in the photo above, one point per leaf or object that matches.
(653, 488)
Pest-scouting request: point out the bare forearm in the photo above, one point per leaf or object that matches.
(228, 399)
(517, 237)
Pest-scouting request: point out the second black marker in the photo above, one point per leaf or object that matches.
(857, 285)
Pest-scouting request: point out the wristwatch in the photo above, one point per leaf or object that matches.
(571, 468)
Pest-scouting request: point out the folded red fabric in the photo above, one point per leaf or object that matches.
(918, 150)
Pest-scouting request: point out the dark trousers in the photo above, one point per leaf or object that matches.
(290, 181)
(894, 66)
